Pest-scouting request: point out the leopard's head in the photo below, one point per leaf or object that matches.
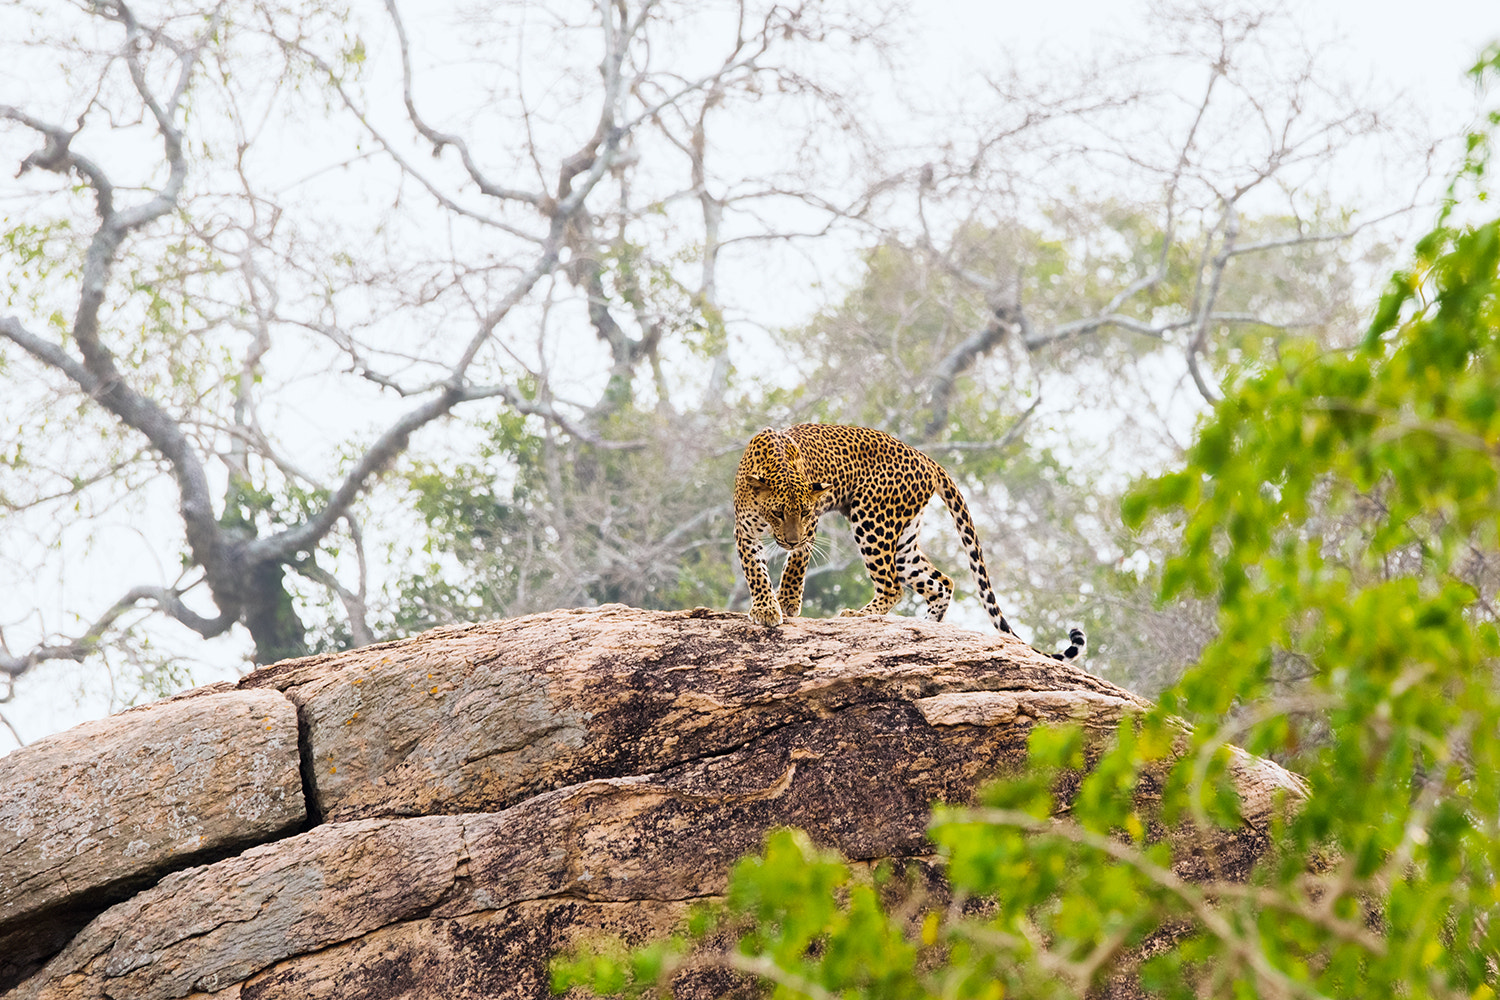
(781, 491)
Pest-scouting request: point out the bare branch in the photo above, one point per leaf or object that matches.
(550, 413)
(958, 361)
(354, 603)
(442, 139)
(1000, 445)
(101, 381)
(1231, 226)
(375, 459)
(166, 600)
(56, 156)
(407, 167)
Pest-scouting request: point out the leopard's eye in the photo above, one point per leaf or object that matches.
(778, 512)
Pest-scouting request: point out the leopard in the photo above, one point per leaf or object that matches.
(788, 479)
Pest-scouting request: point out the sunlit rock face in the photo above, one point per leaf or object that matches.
(478, 798)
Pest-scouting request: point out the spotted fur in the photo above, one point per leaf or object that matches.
(788, 479)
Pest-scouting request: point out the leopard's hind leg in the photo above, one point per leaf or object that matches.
(916, 571)
(877, 548)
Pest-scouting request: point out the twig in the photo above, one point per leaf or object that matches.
(1189, 894)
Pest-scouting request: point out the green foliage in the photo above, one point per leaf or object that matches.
(1342, 508)
(33, 254)
(801, 917)
(541, 522)
(1343, 511)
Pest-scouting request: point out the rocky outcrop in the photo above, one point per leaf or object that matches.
(482, 796)
(93, 814)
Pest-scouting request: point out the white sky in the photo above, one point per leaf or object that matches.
(1425, 47)
(1417, 50)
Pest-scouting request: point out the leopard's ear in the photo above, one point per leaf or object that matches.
(816, 488)
(758, 483)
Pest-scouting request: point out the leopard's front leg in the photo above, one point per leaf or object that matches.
(763, 605)
(789, 593)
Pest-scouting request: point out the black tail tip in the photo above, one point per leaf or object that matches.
(1077, 644)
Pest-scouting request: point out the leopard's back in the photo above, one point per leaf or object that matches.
(864, 464)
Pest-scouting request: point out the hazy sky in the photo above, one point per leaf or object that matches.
(1423, 46)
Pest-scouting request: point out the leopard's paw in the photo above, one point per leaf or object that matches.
(767, 613)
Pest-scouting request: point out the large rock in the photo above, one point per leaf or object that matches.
(476, 718)
(90, 815)
(489, 794)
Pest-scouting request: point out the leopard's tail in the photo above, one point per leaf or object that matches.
(954, 501)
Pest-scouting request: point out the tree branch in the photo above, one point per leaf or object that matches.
(1200, 335)
(1190, 895)
(166, 599)
(958, 361)
(98, 375)
(441, 139)
(1000, 445)
(11, 729)
(354, 604)
(407, 167)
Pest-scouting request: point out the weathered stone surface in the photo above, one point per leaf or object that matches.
(496, 953)
(588, 772)
(651, 839)
(476, 718)
(93, 813)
